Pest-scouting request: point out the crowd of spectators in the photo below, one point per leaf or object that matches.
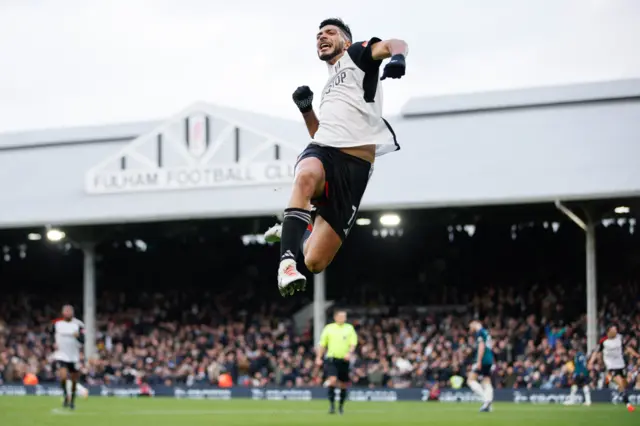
(177, 338)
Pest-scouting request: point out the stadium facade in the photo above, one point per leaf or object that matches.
(574, 142)
(549, 144)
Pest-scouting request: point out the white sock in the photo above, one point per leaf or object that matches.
(574, 390)
(587, 394)
(79, 388)
(476, 388)
(488, 392)
(571, 399)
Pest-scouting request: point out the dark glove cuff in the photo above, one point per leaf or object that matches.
(304, 105)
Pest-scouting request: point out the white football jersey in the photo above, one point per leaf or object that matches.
(66, 338)
(350, 111)
(613, 353)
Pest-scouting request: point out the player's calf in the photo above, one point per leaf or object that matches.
(343, 398)
(587, 395)
(316, 264)
(63, 385)
(294, 226)
(331, 395)
(297, 217)
(321, 247)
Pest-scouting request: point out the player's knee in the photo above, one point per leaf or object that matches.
(315, 264)
(306, 181)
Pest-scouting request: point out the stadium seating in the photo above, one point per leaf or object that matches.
(171, 339)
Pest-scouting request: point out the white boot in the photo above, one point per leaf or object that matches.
(289, 279)
(587, 395)
(488, 395)
(572, 397)
(273, 234)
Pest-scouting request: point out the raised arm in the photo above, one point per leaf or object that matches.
(311, 121)
(368, 55)
(303, 98)
(389, 48)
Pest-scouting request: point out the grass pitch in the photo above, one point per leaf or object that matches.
(99, 411)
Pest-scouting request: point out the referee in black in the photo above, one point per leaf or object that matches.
(338, 342)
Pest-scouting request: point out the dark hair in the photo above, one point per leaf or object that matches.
(338, 23)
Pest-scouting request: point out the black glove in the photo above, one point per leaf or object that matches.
(395, 68)
(303, 97)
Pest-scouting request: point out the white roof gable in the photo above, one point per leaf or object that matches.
(201, 141)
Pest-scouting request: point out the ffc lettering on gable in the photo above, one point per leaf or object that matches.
(197, 149)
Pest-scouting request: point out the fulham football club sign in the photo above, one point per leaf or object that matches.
(196, 149)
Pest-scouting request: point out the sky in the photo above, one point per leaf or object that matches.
(92, 62)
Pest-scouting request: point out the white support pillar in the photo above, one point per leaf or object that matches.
(592, 286)
(319, 303)
(89, 306)
(592, 295)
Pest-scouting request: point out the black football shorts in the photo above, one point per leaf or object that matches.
(581, 379)
(71, 367)
(486, 370)
(346, 179)
(338, 368)
(622, 372)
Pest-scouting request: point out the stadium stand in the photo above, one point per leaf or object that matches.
(161, 339)
(182, 312)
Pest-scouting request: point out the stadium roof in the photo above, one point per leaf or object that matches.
(128, 131)
(415, 107)
(529, 97)
(565, 143)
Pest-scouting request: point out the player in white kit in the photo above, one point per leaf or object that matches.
(613, 351)
(332, 173)
(68, 335)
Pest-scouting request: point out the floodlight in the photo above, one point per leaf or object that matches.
(55, 235)
(390, 220)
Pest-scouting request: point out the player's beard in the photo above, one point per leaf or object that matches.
(336, 51)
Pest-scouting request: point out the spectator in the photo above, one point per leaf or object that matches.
(150, 338)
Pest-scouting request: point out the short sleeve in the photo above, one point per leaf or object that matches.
(354, 337)
(324, 337)
(80, 337)
(360, 53)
